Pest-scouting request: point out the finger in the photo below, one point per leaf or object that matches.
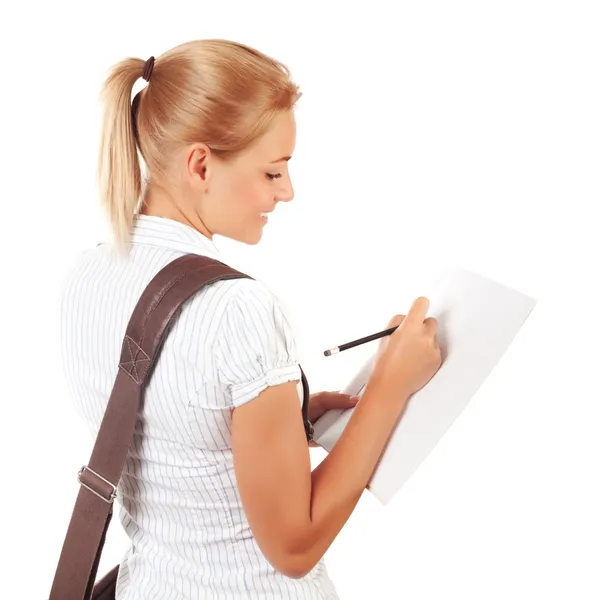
(418, 310)
(338, 400)
(431, 325)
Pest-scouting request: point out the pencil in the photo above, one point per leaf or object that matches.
(364, 340)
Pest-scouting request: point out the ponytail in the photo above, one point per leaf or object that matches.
(119, 175)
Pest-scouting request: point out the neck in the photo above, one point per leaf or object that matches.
(158, 204)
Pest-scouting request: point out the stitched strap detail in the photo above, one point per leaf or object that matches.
(135, 361)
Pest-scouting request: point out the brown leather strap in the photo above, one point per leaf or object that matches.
(154, 313)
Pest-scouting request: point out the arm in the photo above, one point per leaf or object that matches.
(294, 514)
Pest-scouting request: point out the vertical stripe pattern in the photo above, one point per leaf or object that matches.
(178, 499)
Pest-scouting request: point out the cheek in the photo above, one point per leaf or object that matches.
(249, 195)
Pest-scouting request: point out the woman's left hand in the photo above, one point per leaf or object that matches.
(320, 402)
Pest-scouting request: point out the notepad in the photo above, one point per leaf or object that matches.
(478, 319)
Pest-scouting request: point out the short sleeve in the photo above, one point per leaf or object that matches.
(255, 345)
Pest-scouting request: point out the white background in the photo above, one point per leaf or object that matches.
(429, 132)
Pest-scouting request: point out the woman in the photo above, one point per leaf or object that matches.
(217, 495)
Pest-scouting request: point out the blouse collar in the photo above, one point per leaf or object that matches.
(151, 230)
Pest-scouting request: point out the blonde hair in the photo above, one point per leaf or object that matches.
(219, 92)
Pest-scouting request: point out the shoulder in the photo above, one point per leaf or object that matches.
(248, 291)
(250, 309)
(231, 309)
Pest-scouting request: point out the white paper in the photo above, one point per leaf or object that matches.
(477, 321)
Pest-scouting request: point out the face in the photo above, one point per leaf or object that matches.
(227, 198)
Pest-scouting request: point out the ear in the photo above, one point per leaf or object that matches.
(198, 159)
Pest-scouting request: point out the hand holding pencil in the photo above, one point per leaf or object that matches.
(409, 354)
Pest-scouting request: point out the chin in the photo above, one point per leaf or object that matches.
(253, 240)
(249, 237)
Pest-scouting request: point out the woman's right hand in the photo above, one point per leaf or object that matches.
(409, 357)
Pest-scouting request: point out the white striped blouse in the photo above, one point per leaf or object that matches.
(179, 501)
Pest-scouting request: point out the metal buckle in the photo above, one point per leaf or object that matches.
(113, 494)
(310, 433)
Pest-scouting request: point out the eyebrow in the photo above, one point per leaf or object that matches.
(280, 159)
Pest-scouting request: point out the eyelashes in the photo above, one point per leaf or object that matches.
(273, 176)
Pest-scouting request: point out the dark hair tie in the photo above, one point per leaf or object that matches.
(148, 68)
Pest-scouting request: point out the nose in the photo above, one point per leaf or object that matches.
(287, 191)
